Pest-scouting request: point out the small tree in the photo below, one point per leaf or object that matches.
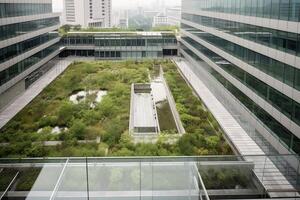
(77, 27)
(66, 28)
(78, 130)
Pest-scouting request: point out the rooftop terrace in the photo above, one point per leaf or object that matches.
(204, 178)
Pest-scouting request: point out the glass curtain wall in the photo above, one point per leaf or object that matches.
(272, 9)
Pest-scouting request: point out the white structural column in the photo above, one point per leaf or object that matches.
(11, 110)
(270, 176)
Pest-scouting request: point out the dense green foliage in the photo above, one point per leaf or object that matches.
(204, 135)
(65, 29)
(165, 28)
(6, 176)
(109, 119)
(226, 178)
(27, 178)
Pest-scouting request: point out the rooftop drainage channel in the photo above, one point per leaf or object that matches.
(273, 180)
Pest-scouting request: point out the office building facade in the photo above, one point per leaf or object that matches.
(28, 40)
(88, 13)
(160, 20)
(174, 15)
(250, 49)
(120, 45)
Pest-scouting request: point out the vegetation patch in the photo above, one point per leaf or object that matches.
(108, 119)
(204, 135)
(27, 178)
(165, 117)
(220, 178)
(6, 176)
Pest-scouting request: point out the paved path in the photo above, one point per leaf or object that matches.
(21, 101)
(264, 169)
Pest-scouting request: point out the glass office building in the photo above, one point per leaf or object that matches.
(28, 40)
(250, 48)
(120, 45)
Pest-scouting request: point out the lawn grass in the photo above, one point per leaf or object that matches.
(109, 119)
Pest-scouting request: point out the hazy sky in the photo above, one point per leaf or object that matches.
(124, 4)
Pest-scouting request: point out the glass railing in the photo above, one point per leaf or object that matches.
(212, 177)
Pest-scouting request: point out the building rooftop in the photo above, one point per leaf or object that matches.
(142, 33)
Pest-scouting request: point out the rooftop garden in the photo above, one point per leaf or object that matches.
(85, 112)
(65, 29)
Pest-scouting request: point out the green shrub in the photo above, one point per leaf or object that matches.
(78, 130)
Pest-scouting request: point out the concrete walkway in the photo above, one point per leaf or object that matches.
(273, 180)
(21, 101)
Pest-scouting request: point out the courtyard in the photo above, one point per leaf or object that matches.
(85, 112)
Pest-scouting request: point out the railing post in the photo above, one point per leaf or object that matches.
(263, 172)
(140, 179)
(297, 175)
(87, 178)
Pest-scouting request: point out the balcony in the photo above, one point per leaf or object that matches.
(215, 177)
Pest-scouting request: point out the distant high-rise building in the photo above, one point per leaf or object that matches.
(150, 13)
(174, 15)
(160, 20)
(123, 19)
(88, 13)
(28, 40)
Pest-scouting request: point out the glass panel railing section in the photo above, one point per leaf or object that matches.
(234, 179)
(29, 179)
(155, 178)
(175, 180)
(72, 182)
(288, 167)
(142, 178)
(113, 179)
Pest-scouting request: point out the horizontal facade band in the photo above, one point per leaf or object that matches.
(223, 93)
(21, 76)
(23, 56)
(289, 26)
(269, 80)
(14, 20)
(89, 47)
(276, 114)
(21, 38)
(25, 1)
(281, 56)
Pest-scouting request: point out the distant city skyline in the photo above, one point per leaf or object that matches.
(123, 4)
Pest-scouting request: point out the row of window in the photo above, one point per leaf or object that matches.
(127, 54)
(83, 53)
(123, 42)
(273, 9)
(23, 9)
(136, 42)
(287, 138)
(14, 50)
(118, 42)
(14, 30)
(284, 104)
(282, 72)
(281, 40)
(8, 74)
